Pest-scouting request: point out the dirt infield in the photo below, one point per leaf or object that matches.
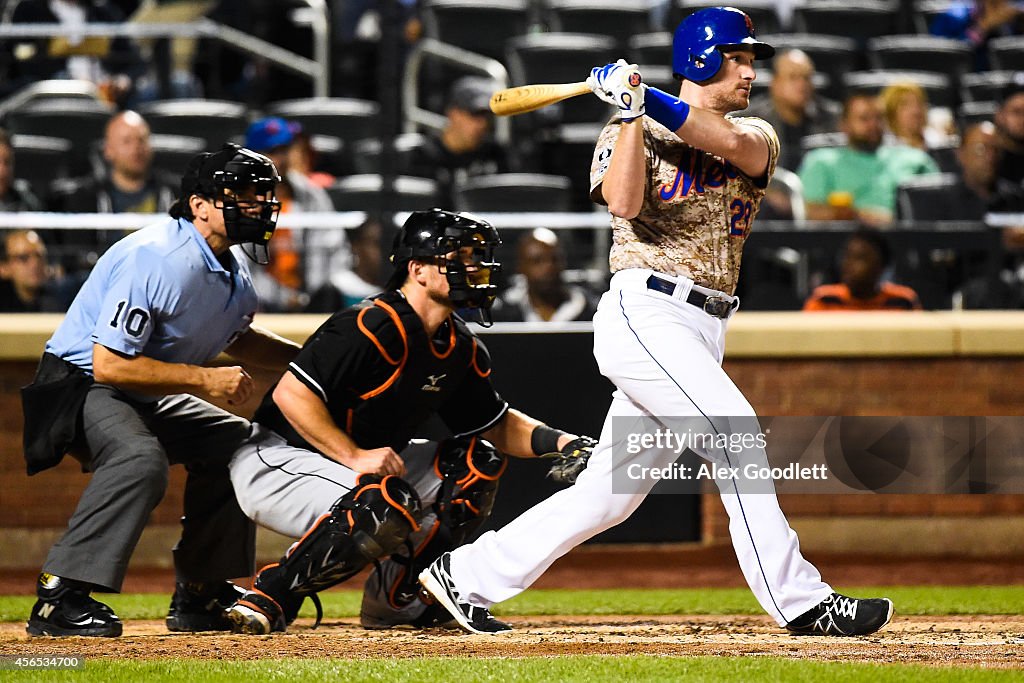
(992, 641)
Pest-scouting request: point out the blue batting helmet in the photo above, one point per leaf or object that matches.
(700, 38)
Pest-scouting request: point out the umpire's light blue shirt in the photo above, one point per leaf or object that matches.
(161, 293)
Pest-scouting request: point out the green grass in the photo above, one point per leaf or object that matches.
(937, 600)
(466, 670)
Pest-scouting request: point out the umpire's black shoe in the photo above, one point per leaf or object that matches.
(437, 580)
(838, 615)
(64, 608)
(202, 606)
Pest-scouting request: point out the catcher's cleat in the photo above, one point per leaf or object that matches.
(256, 613)
(64, 608)
(437, 580)
(199, 606)
(838, 615)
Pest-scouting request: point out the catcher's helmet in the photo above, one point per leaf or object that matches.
(700, 38)
(241, 183)
(432, 236)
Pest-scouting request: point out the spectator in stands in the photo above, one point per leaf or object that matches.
(793, 107)
(1009, 122)
(111, 63)
(858, 181)
(302, 157)
(864, 259)
(540, 292)
(978, 22)
(283, 284)
(906, 110)
(26, 283)
(15, 194)
(979, 189)
(124, 183)
(348, 286)
(464, 147)
(127, 182)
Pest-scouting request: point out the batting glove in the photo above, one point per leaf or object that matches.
(621, 85)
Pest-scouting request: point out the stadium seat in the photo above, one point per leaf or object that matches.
(365, 192)
(945, 157)
(366, 153)
(937, 86)
(925, 198)
(986, 86)
(40, 159)
(481, 26)
(650, 48)
(832, 55)
(560, 58)
(820, 140)
(762, 12)
(613, 18)
(925, 12)
(976, 112)
(513, 192)
(1007, 53)
(857, 19)
(214, 121)
(171, 153)
(921, 53)
(80, 121)
(569, 153)
(347, 119)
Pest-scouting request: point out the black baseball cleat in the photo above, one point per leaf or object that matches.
(202, 606)
(838, 615)
(64, 608)
(437, 580)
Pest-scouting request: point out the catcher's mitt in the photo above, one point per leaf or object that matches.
(571, 460)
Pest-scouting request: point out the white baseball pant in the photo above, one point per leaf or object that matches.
(664, 356)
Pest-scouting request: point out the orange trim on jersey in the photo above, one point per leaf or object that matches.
(348, 421)
(308, 532)
(476, 368)
(376, 342)
(451, 342)
(405, 350)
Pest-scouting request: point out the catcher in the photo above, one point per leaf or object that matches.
(331, 460)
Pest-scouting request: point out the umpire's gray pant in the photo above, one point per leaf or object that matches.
(131, 445)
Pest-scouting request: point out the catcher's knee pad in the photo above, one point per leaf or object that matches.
(469, 469)
(368, 522)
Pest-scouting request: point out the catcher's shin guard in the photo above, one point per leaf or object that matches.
(370, 521)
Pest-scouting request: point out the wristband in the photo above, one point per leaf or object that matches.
(544, 440)
(668, 110)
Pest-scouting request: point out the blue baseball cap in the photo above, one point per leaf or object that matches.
(270, 132)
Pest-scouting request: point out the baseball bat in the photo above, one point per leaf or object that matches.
(512, 101)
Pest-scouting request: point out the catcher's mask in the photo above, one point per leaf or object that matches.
(241, 183)
(462, 246)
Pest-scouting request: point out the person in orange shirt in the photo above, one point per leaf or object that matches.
(865, 257)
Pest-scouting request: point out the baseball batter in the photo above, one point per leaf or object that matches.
(330, 459)
(683, 183)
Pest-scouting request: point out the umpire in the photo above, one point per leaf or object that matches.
(112, 388)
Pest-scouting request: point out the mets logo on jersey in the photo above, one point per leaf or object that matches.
(698, 173)
(433, 379)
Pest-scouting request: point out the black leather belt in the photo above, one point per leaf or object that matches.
(713, 305)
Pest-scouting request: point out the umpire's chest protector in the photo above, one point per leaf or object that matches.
(425, 376)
